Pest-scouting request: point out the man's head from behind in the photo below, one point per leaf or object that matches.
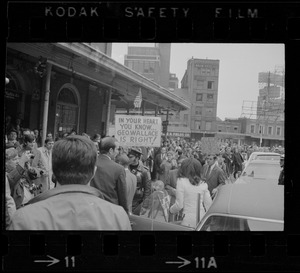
(109, 146)
(74, 160)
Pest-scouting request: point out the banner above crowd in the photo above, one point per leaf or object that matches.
(138, 130)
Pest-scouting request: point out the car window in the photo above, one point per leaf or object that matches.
(268, 157)
(224, 223)
(262, 171)
(227, 223)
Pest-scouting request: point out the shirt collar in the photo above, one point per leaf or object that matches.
(107, 156)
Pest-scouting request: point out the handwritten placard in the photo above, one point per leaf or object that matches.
(138, 130)
(209, 145)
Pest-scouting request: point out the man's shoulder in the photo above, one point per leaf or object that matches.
(48, 213)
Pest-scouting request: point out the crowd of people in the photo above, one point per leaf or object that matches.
(83, 182)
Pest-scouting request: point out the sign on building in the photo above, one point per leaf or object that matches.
(138, 130)
(209, 145)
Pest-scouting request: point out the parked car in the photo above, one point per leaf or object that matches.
(245, 207)
(263, 156)
(260, 170)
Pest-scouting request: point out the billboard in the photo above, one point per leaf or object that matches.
(134, 130)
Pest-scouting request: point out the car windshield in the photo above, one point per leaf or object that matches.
(266, 171)
(226, 223)
(267, 157)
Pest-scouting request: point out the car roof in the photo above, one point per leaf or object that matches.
(265, 153)
(264, 162)
(260, 200)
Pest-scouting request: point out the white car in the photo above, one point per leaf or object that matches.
(245, 207)
(263, 156)
(266, 171)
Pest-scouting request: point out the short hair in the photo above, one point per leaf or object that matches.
(12, 130)
(73, 160)
(25, 129)
(96, 136)
(213, 155)
(106, 144)
(28, 138)
(190, 168)
(122, 159)
(48, 139)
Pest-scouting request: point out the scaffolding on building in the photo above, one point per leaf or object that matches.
(269, 107)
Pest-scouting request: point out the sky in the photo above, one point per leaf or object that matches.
(238, 71)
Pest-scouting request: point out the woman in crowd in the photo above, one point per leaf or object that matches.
(189, 185)
(169, 163)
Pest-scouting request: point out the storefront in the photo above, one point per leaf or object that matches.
(59, 87)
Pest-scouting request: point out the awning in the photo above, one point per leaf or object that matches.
(85, 61)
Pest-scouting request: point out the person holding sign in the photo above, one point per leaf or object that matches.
(189, 185)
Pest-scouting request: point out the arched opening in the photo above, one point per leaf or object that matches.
(67, 110)
(13, 98)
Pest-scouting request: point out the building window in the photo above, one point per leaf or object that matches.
(199, 97)
(210, 97)
(185, 117)
(197, 124)
(270, 130)
(261, 129)
(252, 129)
(227, 128)
(235, 128)
(208, 126)
(219, 128)
(278, 131)
(200, 84)
(198, 110)
(209, 85)
(208, 112)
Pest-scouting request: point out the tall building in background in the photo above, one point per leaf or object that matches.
(151, 62)
(200, 85)
(270, 101)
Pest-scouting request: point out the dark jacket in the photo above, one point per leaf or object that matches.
(16, 185)
(143, 186)
(215, 179)
(110, 179)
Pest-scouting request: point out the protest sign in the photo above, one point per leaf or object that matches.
(209, 145)
(138, 130)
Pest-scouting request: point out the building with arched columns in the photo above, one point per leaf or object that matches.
(59, 87)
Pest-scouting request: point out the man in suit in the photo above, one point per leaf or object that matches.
(46, 154)
(131, 180)
(158, 160)
(110, 177)
(213, 174)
